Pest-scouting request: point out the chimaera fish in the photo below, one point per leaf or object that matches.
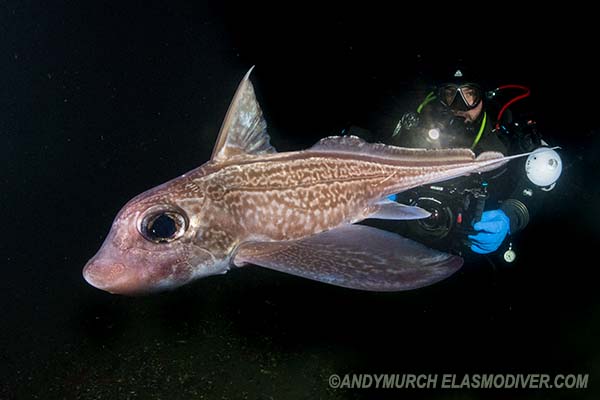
(292, 212)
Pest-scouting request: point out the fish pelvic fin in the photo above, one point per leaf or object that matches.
(244, 129)
(387, 209)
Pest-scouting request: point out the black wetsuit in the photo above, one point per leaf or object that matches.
(459, 202)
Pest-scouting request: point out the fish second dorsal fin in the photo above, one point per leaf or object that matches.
(356, 145)
(244, 130)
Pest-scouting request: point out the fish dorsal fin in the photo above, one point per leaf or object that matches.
(356, 145)
(244, 130)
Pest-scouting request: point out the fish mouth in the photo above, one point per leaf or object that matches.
(112, 277)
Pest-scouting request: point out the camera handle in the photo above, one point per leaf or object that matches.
(479, 195)
(480, 198)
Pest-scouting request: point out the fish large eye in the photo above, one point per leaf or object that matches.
(163, 225)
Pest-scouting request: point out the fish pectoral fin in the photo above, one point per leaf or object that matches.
(387, 209)
(244, 129)
(354, 256)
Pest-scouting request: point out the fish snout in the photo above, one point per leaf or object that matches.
(110, 276)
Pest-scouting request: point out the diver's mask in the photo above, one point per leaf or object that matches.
(463, 97)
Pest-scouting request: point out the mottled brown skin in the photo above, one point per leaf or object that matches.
(248, 193)
(292, 195)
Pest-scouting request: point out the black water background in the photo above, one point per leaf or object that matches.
(100, 102)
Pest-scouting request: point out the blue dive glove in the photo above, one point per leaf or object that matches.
(493, 228)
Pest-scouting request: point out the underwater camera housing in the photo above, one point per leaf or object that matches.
(454, 208)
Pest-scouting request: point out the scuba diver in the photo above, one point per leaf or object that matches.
(479, 213)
